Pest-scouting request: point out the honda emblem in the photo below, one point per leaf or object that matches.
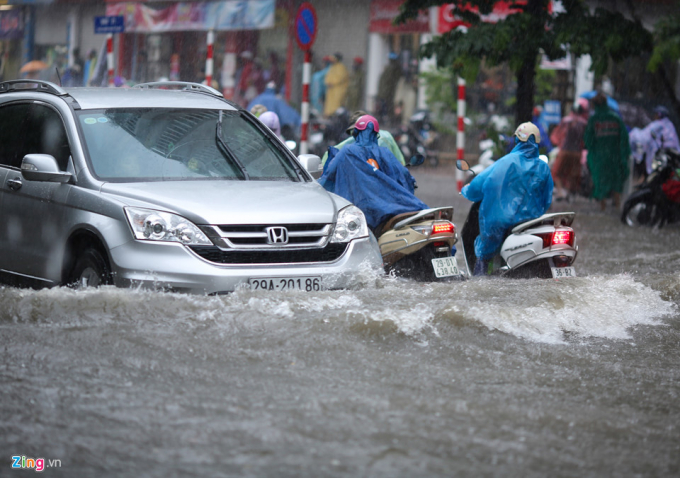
(277, 235)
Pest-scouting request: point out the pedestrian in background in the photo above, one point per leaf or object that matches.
(337, 82)
(568, 137)
(387, 87)
(317, 88)
(606, 139)
(355, 94)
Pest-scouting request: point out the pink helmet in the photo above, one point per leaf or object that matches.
(363, 122)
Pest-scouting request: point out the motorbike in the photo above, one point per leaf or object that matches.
(418, 244)
(650, 204)
(417, 137)
(487, 146)
(538, 248)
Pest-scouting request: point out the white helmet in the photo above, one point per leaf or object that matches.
(525, 130)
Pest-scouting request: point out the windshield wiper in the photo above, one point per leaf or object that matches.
(222, 145)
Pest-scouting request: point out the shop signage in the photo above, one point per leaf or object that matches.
(305, 26)
(11, 24)
(109, 24)
(552, 112)
(448, 21)
(383, 12)
(195, 16)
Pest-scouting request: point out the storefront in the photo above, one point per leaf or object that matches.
(169, 39)
(385, 38)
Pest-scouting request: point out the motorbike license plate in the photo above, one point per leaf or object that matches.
(316, 138)
(445, 267)
(308, 284)
(560, 272)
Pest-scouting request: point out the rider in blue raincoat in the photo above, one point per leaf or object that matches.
(516, 188)
(370, 176)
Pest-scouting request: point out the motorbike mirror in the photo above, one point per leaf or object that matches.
(416, 160)
(463, 165)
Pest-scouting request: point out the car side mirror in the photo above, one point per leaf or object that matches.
(311, 163)
(43, 167)
(416, 160)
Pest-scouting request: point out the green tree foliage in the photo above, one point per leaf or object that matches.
(521, 37)
(667, 42)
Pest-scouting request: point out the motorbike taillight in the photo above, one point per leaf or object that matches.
(443, 228)
(565, 236)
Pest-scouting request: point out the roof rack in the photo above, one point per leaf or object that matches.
(32, 85)
(186, 86)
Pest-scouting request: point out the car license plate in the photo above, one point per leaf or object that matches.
(309, 284)
(560, 272)
(445, 267)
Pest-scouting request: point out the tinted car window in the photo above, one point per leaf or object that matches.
(29, 128)
(153, 144)
(12, 129)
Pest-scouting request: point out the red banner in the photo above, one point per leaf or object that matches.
(448, 21)
(383, 13)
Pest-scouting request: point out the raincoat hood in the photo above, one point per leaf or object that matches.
(367, 137)
(516, 188)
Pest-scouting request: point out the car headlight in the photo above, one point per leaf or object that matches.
(351, 225)
(150, 225)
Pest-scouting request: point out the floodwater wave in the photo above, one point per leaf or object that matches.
(534, 310)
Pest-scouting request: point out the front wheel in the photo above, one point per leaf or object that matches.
(641, 210)
(90, 270)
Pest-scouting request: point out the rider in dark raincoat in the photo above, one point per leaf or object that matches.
(370, 176)
(516, 188)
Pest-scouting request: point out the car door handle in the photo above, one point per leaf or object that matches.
(14, 184)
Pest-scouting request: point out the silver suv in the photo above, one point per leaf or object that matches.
(173, 188)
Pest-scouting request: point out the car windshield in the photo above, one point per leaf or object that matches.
(165, 144)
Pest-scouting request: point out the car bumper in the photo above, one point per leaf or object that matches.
(172, 266)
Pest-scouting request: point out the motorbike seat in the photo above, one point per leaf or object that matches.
(389, 224)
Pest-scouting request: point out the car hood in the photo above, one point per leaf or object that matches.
(232, 202)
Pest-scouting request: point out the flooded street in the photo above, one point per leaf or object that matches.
(577, 377)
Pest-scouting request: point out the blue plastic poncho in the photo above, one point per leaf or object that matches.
(380, 192)
(516, 188)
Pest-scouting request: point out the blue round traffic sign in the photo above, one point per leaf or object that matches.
(305, 26)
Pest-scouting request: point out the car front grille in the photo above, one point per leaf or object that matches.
(219, 256)
(256, 237)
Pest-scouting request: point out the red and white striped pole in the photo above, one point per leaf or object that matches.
(306, 78)
(109, 57)
(460, 135)
(209, 58)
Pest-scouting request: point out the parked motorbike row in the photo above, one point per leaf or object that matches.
(656, 201)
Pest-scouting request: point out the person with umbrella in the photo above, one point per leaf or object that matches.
(32, 69)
